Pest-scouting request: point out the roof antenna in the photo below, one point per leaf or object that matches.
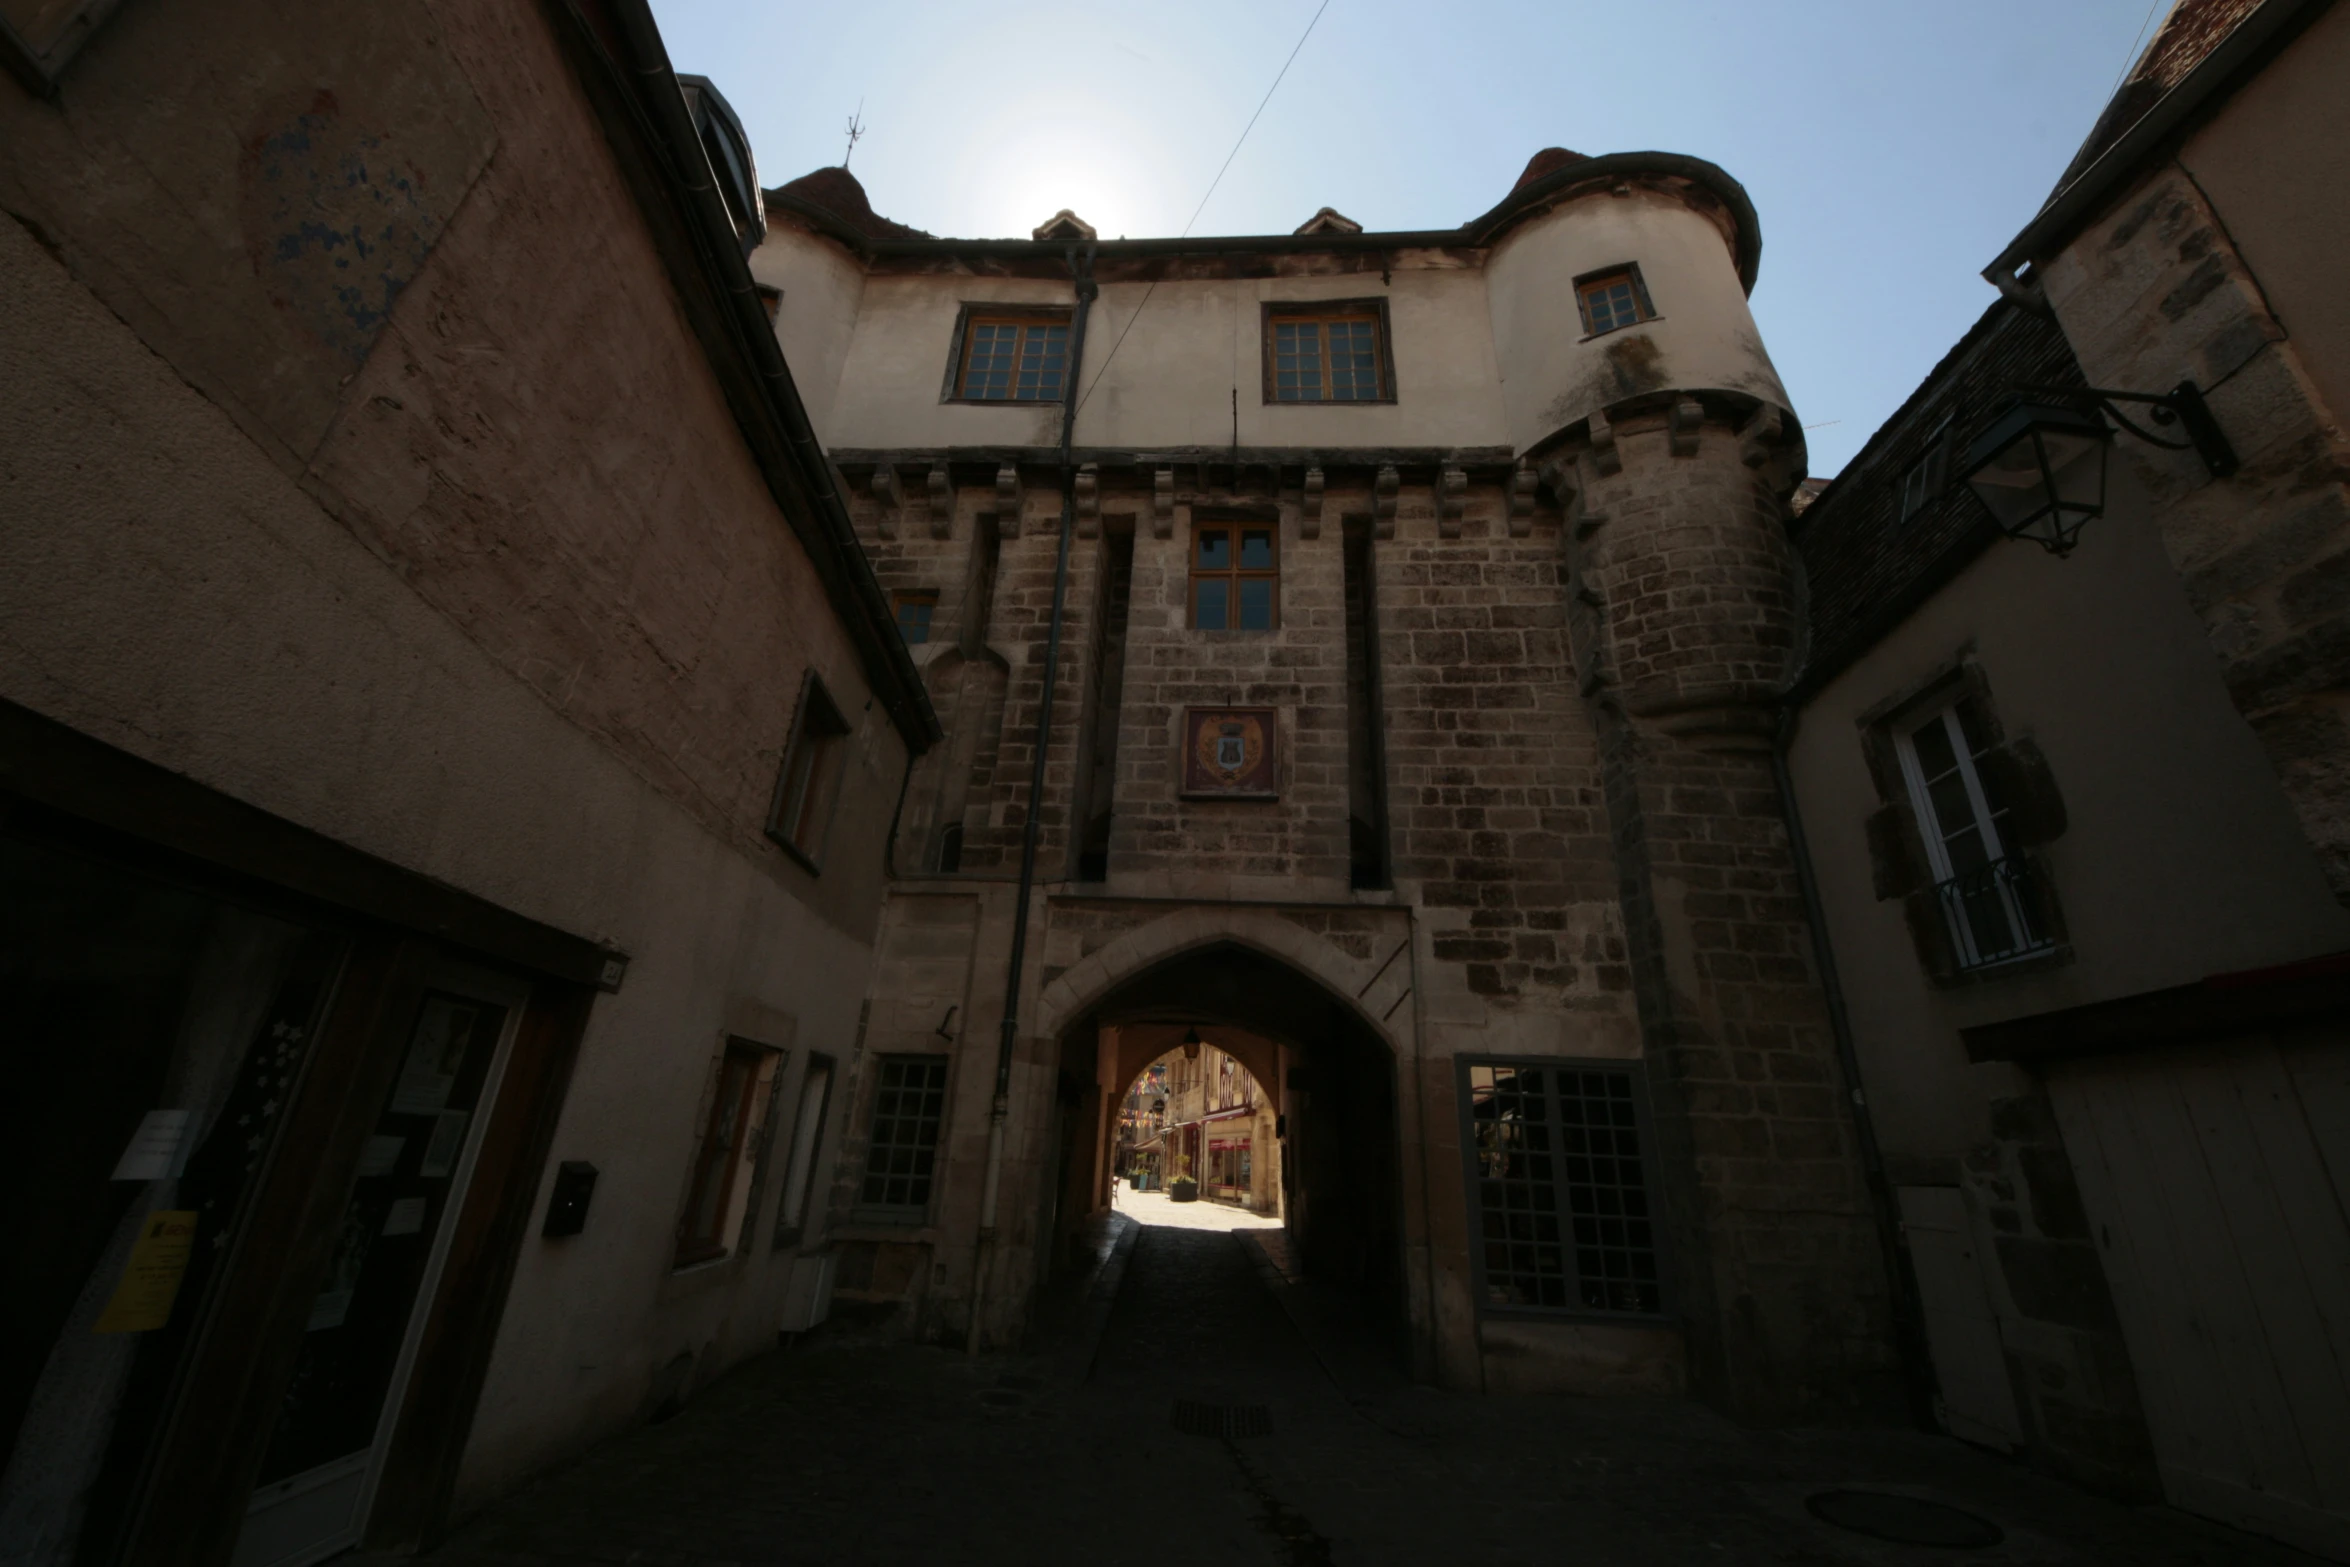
(856, 130)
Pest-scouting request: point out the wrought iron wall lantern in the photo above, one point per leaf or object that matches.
(2039, 466)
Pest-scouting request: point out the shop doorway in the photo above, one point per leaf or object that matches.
(325, 1454)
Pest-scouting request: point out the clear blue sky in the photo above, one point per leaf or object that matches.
(1891, 146)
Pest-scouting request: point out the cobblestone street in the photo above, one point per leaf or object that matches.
(1207, 1426)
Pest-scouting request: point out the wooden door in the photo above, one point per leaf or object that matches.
(2217, 1180)
(1977, 1402)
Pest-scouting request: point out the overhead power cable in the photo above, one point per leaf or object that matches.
(1203, 202)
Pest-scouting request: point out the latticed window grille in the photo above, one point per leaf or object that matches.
(1016, 361)
(1326, 359)
(909, 1103)
(1558, 1171)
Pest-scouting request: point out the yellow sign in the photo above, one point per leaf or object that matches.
(151, 1279)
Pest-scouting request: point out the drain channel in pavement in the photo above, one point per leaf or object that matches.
(1222, 1420)
(1905, 1520)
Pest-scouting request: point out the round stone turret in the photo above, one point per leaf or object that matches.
(1622, 280)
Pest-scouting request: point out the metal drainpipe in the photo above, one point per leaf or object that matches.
(1908, 1315)
(1081, 274)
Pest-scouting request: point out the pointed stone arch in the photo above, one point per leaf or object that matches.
(1370, 988)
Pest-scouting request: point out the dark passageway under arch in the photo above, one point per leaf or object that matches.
(1331, 1080)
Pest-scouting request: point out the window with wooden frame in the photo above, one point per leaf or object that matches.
(914, 610)
(1235, 576)
(1612, 300)
(901, 1151)
(807, 1137)
(720, 1189)
(813, 761)
(1010, 356)
(1334, 353)
(1559, 1200)
(1986, 890)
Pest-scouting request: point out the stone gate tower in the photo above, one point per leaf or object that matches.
(1427, 611)
(1671, 454)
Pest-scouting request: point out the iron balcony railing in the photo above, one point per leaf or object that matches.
(1995, 913)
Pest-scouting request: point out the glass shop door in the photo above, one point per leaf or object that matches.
(318, 1478)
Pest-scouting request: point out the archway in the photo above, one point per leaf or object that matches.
(1331, 1081)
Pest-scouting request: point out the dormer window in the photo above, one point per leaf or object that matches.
(731, 164)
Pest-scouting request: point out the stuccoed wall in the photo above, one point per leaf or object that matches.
(822, 290)
(1703, 340)
(1172, 381)
(495, 594)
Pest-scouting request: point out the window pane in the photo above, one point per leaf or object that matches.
(1213, 603)
(989, 371)
(1256, 603)
(1954, 812)
(1297, 361)
(914, 618)
(1354, 363)
(1611, 303)
(1933, 747)
(1041, 351)
(1256, 549)
(1215, 549)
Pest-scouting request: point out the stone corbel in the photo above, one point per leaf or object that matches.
(1688, 418)
(1163, 504)
(1522, 486)
(1383, 502)
(1763, 431)
(1089, 501)
(890, 497)
(1007, 501)
(1309, 511)
(1452, 494)
(1604, 456)
(942, 503)
(1566, 487)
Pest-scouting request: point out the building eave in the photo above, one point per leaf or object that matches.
(2238, 57)
(624, 69)
(1480, 233)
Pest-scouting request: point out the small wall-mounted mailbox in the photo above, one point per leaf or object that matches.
(575, 1183)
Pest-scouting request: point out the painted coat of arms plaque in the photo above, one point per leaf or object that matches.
(1228, 753)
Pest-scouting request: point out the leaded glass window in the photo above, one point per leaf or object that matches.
(909, 1105)
(1559, 1189)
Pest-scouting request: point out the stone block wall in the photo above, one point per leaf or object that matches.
(1497, 816)
(1684, 630)
(2154, 293)
(1293, 847)
(1576, 700)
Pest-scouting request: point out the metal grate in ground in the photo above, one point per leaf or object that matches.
(1222, 1420)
